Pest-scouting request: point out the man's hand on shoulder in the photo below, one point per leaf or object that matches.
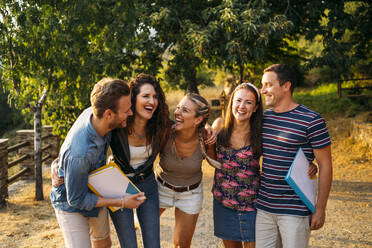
(56, 180)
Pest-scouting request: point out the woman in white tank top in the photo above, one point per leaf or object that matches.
(135, 149)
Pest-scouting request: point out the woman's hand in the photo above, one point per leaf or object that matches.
(209, 136)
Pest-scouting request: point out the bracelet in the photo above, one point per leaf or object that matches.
(122, 202)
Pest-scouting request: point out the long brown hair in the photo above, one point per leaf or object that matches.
(159, 124)
(255, 138)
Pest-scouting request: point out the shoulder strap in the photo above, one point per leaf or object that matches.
(210, 160)
(120, 149)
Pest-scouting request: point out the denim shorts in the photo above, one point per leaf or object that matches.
(189, 202)
(230, 224)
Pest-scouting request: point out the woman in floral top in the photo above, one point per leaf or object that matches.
(239, 147)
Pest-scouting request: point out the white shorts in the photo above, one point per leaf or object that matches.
(79, 231)
(189, 202)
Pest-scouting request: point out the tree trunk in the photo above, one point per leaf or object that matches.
(192, 85)
(39, 196)
(38, 154)
(241, 70)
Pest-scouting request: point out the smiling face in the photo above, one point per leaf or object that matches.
(119, 119)
(146, 102)
(272, 90)
(185, 115)
(243, 105)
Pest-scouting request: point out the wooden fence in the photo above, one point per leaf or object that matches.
(360, 88)
(24, 150)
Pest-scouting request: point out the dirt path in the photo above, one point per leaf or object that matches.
(349, 210)
(26, 223)
(348, 224)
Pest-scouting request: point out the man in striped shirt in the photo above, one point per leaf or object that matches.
(287, 126)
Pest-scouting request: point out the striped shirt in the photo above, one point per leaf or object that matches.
(283, 134)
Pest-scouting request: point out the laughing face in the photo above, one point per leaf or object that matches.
(146, 102)
(243, 105)
(271, 89)
(185, 115)
(119, 119)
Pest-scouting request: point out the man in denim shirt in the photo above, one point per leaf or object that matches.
(81, 214)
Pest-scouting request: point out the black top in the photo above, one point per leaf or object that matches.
(120, 149)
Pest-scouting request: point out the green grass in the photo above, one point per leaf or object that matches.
(324, 100)
(11, 134)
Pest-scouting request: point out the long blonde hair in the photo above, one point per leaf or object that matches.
(202, 109)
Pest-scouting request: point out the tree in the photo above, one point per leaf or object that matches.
(173, 21)
(102, 38)
(55, 51)
(238, 33)
(10, 117)
(23, 40)
(343, 27)
(347, 37)
(48, 52)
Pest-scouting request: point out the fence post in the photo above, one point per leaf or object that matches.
(339, 88)
(27, 135)
(53, 140)
(3, 171)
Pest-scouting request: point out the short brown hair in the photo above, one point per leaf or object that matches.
(284, 73)
(106, 94)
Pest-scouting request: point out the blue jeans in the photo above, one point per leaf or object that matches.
(148, 216)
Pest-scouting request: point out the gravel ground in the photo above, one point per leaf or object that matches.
(26, 223)
(349, 211)
(348, 223)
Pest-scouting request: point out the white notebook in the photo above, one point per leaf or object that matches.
(297, 178)
(110, 182)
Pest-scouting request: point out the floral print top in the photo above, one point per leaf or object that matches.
(236, 184)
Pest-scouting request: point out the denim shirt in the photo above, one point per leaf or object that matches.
(82, 152)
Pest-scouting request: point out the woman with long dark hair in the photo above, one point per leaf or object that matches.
(135, 149)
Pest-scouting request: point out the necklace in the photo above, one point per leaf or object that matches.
(140, 136)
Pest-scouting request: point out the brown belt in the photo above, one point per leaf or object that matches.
(178, 188)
